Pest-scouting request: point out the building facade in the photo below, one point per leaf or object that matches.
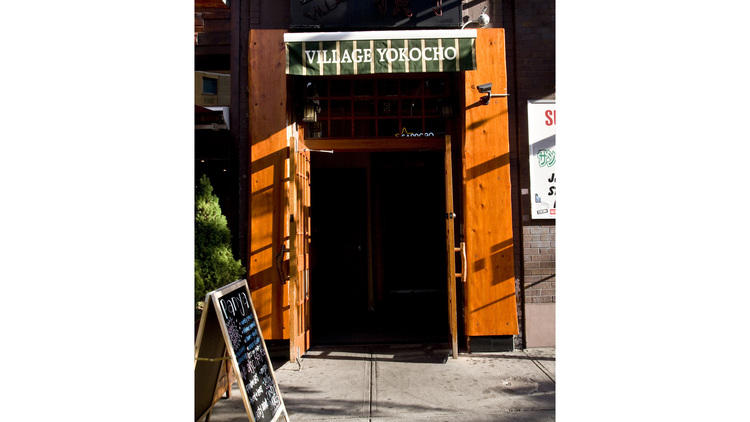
(382, 160)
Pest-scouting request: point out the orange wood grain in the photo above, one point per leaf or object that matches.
(293, 288)
(377, 144)
(490, 301)
(268, 155)
(450, 248)
(299, 235)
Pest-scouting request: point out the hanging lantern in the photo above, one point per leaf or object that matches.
(310, 113)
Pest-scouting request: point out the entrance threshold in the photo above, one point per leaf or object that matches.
(407, 352)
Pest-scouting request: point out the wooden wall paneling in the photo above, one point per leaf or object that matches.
(269, 153)
(490, 300)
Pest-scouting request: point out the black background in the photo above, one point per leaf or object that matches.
(373, 14)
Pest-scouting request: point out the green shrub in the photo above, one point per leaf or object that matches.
(214, 264)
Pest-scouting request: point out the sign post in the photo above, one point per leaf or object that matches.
(542, 159)
(229, 318)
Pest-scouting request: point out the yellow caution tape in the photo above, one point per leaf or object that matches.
(213, 359)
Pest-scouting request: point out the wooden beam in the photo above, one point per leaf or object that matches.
(376, 144)
(238, 119)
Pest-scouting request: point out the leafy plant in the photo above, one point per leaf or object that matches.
(215, 265)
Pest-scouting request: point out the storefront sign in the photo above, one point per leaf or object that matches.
(367, 52)
(375, 13)
(542, 159)
(238, 330)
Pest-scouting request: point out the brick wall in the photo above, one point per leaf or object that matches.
(536, 286)
(530, 41)
(539, 264)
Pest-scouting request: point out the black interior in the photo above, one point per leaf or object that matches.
(407, 229)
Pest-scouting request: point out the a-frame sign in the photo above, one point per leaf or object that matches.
(229, 326)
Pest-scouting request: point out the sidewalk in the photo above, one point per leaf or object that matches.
(411, 383)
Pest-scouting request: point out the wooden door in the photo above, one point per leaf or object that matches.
(299, 245)
(490, 290)
(450, 215)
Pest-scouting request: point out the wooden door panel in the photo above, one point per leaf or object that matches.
(490, 300)
(299, 235)
(268, 154)
(450, 247)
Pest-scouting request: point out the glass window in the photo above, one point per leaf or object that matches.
(435, 87)
(341, 128)
(364, 108)
(387, 87)
(412, 125)
(364, 128)
(368, 106)
(387, 107)
(341, 88)
(341, 108)
(411, 87)
(210, 86)
(387, 127)
(411, 107)
(436, 126)
(364, 87)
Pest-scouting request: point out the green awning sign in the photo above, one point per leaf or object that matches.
(368, 52)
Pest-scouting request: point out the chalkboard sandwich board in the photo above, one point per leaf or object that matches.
(229, 318)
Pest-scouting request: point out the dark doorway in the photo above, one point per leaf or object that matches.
(338, 300)
(378, 270)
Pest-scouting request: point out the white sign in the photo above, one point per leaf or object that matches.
(542, 158)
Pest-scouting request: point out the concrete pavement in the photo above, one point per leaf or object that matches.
(411, 383)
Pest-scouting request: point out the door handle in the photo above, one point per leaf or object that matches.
(464, 270)
(464, 263)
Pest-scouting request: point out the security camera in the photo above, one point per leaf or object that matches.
(484, 88)
(487, 90)
(483, 20)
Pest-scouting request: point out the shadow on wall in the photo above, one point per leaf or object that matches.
(487, 166)
(267, 216)
(512, 295)
(538, 281)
